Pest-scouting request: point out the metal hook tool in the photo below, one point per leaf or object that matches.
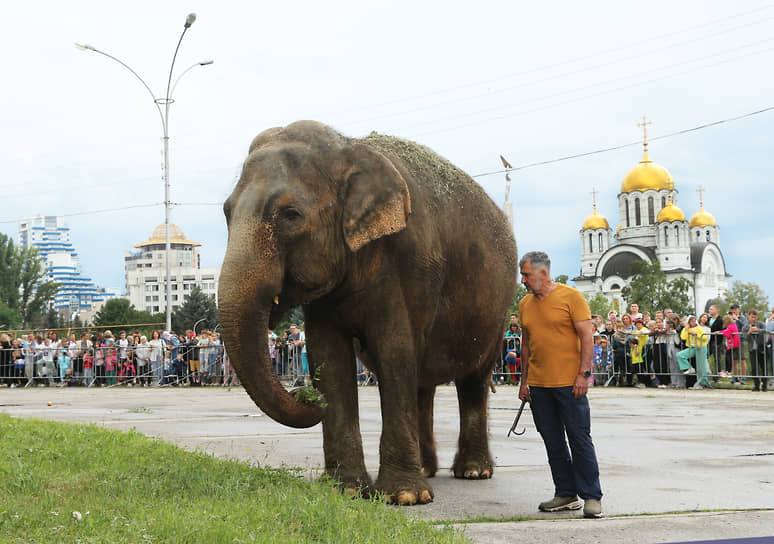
(516, 421)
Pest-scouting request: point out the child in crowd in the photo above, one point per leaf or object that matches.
(88, 368)
(733, 348)
(63, 360)
(18, 367)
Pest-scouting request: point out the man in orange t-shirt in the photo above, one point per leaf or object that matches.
(557, 348)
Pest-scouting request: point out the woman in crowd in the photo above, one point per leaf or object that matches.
(142, 358)
(157, 356)
(695, 339)
(6, 359)
(99, 359)
(703, 371)
(511, 354)
(111, 358)
(659, 357)
(674, 345)
(626, 319)
(621, 357)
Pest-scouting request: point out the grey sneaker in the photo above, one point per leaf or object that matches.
(592, 508)
(560, 503)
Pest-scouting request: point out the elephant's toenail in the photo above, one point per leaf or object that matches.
(405, 497)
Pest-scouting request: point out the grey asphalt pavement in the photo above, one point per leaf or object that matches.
(676, 465)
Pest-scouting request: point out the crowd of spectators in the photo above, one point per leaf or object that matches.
(664, 349)
(102, 359)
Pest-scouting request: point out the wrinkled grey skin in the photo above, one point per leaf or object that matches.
(397, 257)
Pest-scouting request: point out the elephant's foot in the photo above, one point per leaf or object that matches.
(473, 469)
(352, 484)
(429, 464)
(404, 490)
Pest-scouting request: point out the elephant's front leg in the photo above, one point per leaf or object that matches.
(333, 361)
(401, 478)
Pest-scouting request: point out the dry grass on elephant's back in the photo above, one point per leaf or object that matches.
(423, 163)
(449, 183)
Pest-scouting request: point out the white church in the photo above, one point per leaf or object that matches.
(652, 227)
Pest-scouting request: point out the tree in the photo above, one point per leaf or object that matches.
(599, 305)
(22, 289)
(52, 318)
(650, 289)
(294, 315)
(119, 311)
(749, 296)
(116, 311)
(196, 306)
(9, 318)
(562, 278)
(521, 292)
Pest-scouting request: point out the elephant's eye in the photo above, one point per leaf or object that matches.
(290, 215)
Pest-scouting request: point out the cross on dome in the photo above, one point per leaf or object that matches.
(644, 126)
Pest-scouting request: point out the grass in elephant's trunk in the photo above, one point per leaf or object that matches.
(77, 483)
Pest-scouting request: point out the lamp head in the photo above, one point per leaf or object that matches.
(206, 62)
(190, 20)
(85, 47)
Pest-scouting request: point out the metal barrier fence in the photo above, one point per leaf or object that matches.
(662, 360)
(619, 359)
(27, 364)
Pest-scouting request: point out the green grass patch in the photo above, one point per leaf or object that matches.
(131, 488)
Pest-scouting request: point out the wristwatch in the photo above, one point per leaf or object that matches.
(586, 373)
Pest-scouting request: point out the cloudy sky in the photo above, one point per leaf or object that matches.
(533, 81)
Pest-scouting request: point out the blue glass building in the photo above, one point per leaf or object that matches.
(77, 292)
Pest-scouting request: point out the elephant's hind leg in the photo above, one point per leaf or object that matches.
(473, 460)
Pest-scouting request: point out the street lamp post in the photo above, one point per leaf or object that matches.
(194, 327)
(164, 101)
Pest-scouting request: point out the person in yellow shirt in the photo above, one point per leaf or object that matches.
(641, 335)
(557, 348)
(695, 338)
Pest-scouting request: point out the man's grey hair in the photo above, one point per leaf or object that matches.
(536, 259)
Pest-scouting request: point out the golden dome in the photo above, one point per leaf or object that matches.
(702, 218)
(647, 175)
(159, 236)
(670, 213)
(595, 221)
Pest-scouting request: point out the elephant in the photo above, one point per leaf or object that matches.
(398, 258)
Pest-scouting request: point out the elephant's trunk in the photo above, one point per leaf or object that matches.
(250, 280)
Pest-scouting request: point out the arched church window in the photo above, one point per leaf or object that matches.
(591, 243)
(663, 202)
(698, 236)
(651, 211)
(615, 287)
(677, 235)
(708, 236)
(628, 223)
(600, 241)
(666, 236)
(637, 215)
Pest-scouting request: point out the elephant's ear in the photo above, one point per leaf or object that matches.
(377, 201)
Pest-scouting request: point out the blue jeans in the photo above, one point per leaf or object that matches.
(558, 414)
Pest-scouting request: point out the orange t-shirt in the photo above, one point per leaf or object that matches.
(554, 346)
